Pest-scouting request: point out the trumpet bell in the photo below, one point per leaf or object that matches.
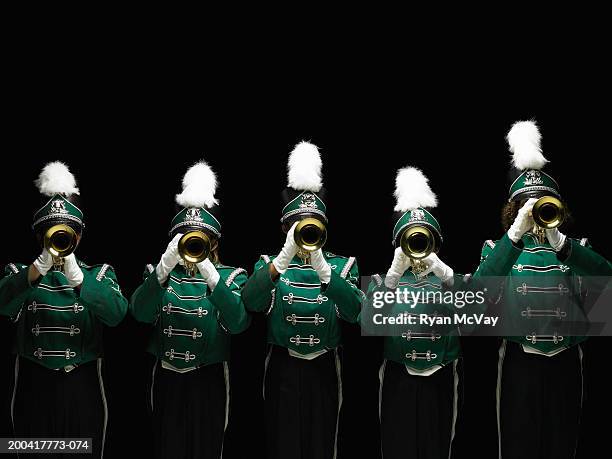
(310, 234)
(548, 212)
(194, 246)
(417, 242)
(60, 240)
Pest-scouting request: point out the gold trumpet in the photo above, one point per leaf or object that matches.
(417, 242)
(548, 212)
(310, 234)
(194, 247)
(60, 241)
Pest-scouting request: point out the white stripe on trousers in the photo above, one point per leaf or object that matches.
(580, 355)
(381, 378)
(105, 406)
(14, 392)
(455, 409)
(153, 381)
(227, 401)
(266, 363)
(339, 375)
(500, 365)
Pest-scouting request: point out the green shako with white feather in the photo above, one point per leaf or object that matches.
(58, 186)
(304, 195)
(413, 199)
(527, 179)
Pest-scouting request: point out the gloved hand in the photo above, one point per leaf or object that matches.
(399, 265)
(438, 267)
(320, 265)
(523, 221)
(209, 273)
(73, 271)
(556, 238)
(169, 260)
(281, 262)
(43, 263)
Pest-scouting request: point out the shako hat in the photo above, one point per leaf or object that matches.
(304, 195)
(58, 187)
(414, 201)
(526, 178)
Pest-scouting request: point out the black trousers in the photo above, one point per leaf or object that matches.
(56, 404)
(417, 413)
(539, 403)
(302, 405)
(190, 411)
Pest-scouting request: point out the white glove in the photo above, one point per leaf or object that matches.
(281, 262)
(523, 221)
(438, 267)
(320, 265)
(399, 265)
(209, 273)
(73, 271)
(556, 238)
(169, 260)
(43, 263)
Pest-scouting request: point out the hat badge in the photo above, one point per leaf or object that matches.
(533, 177)
(193, 215)
(58, 207)
(417, 215)
(308, 201)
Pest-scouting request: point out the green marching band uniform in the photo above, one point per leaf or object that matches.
(418, 378)
(541, 295)
(195, 307)
(304, 296)
(59, 306)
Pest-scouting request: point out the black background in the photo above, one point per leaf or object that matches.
(129, 139)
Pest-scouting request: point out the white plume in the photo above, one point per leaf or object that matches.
(199, 187)
(304, 168)
(412, 190)
(55, 178)
(524, 140)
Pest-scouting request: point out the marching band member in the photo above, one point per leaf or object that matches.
(542, 295)
(419, 377)
(59, 305)
(304, 292)
(195, 305)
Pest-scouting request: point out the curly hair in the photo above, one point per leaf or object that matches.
(509, 213)
(214, 256)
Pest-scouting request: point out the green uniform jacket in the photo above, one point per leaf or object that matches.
(419, 347)
(302, 313)
(58, 326)
(193, 325)
(541, 291)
